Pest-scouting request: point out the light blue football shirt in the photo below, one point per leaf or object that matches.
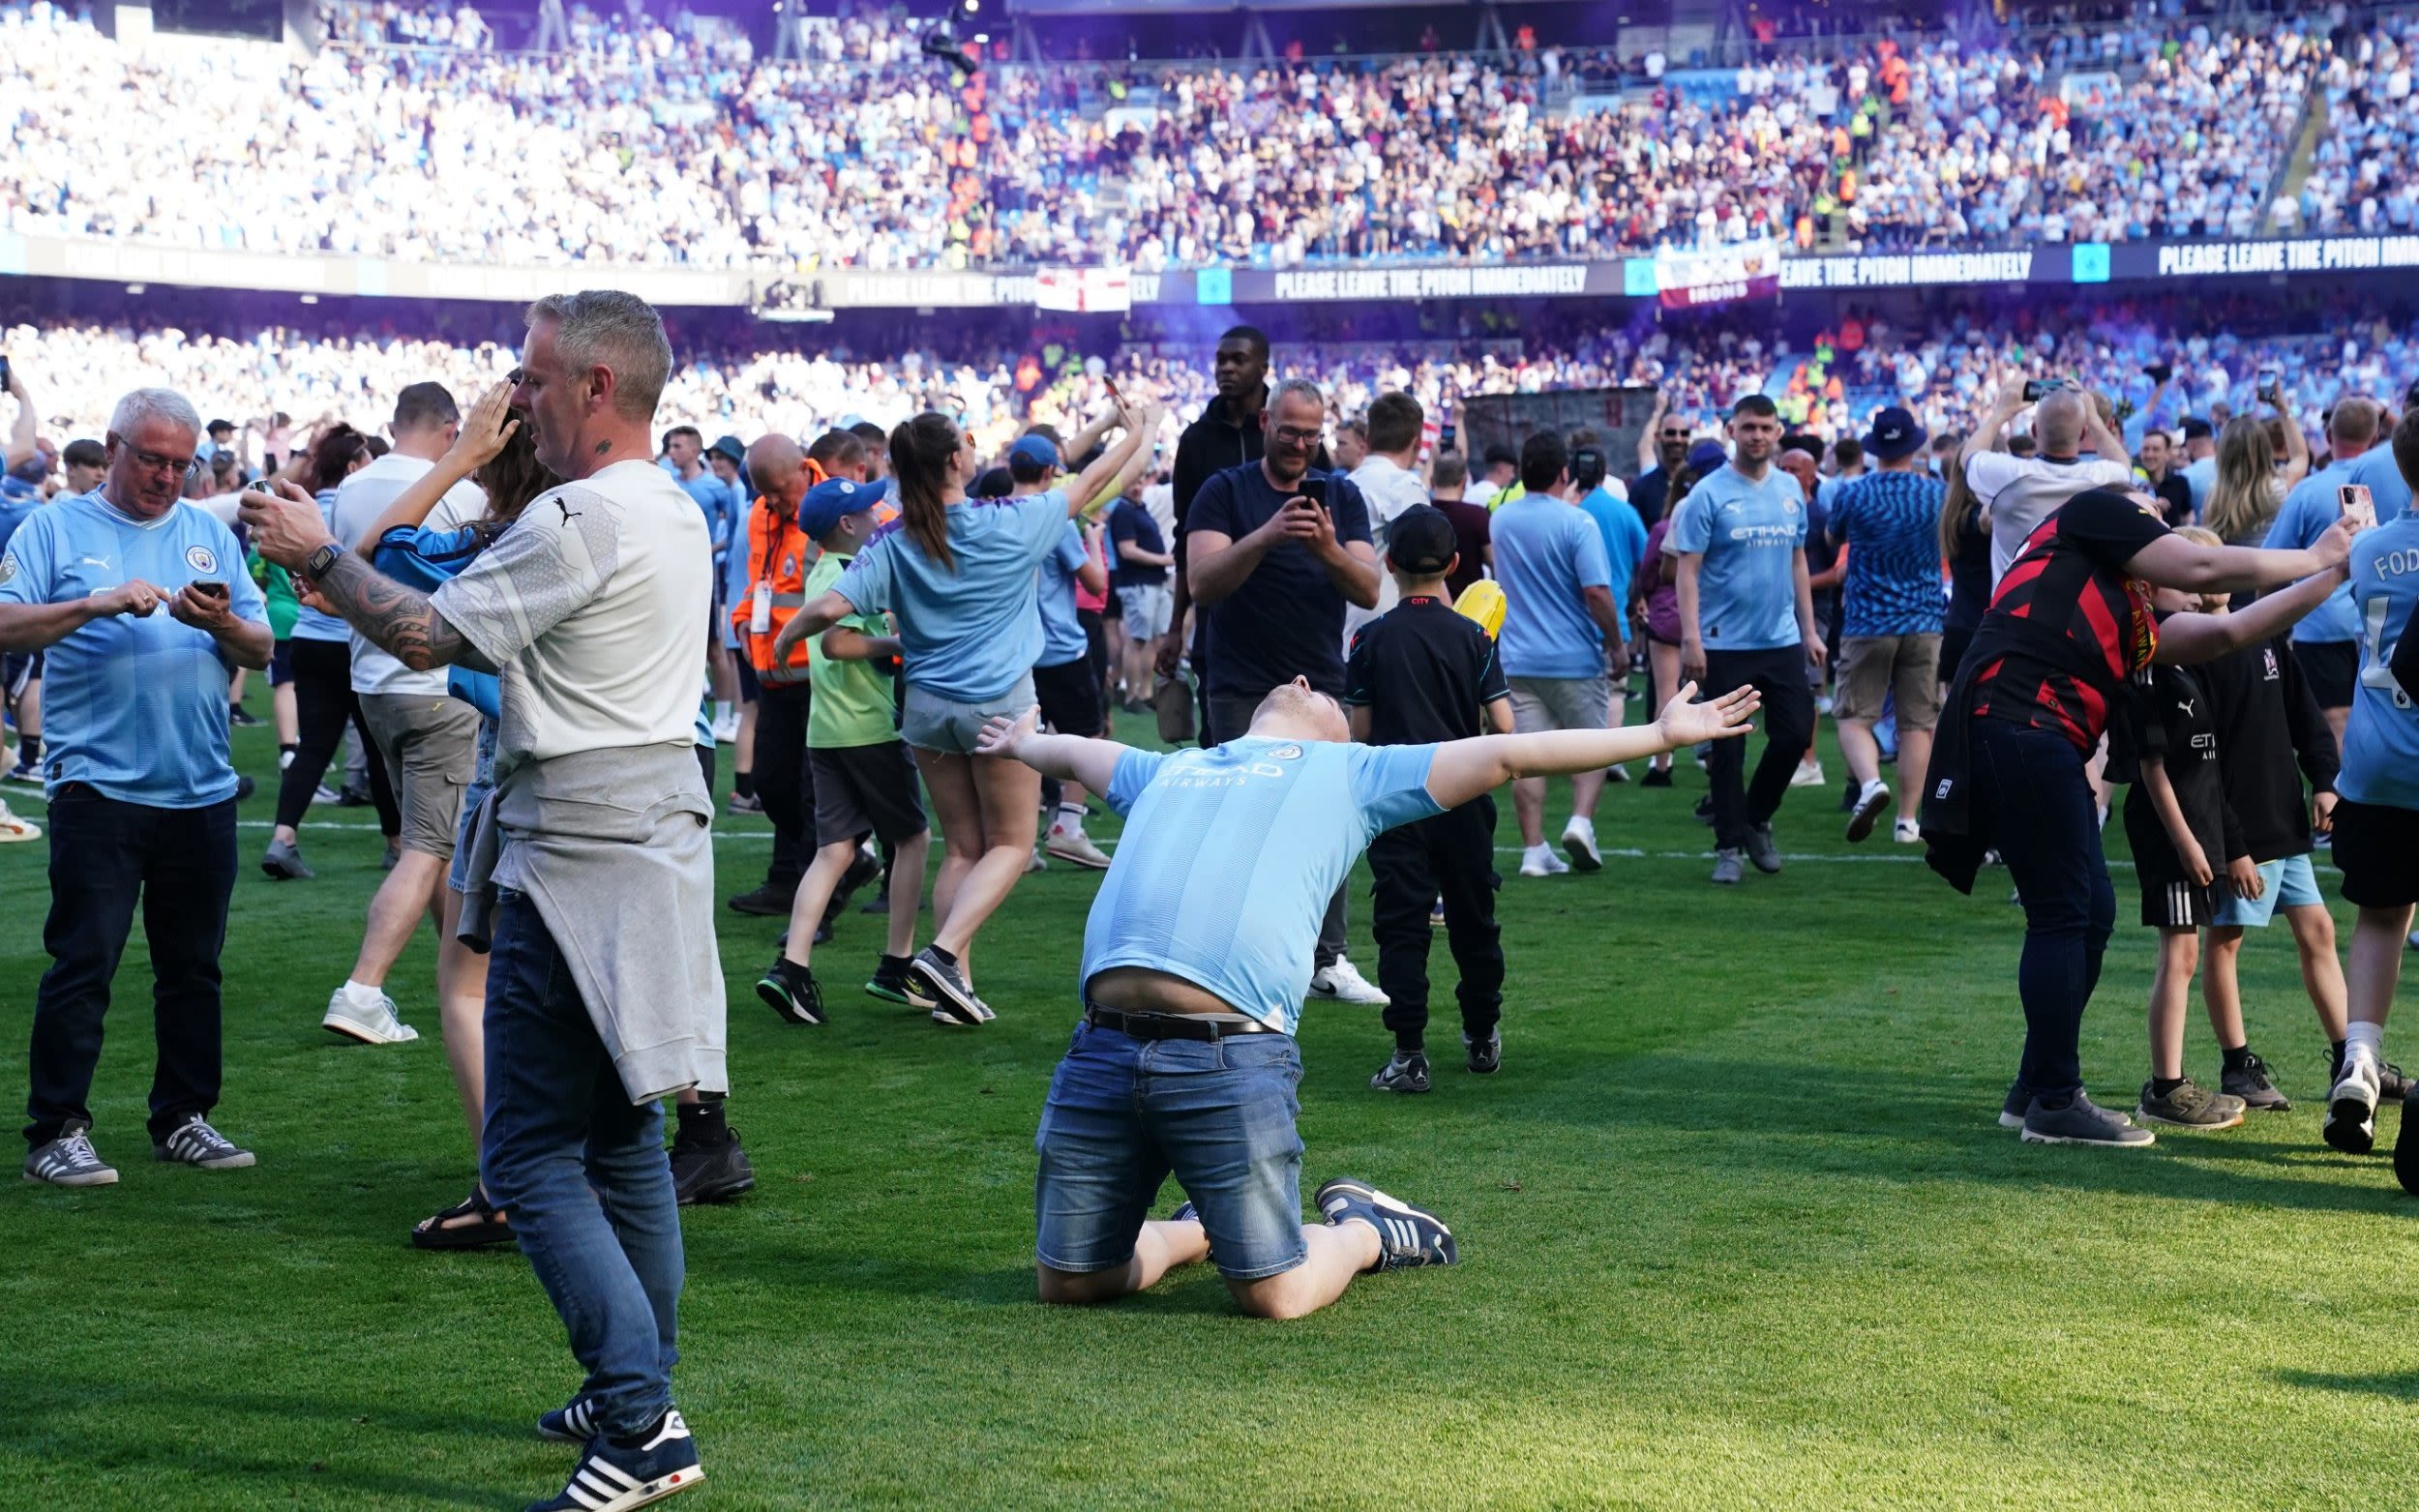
(968, 632)
(1546, 554)
(2304, 517)
(2381, 744)
(310, 624)
(1749, 534)
(1062, 639)
(1616, 521)
(1230, 856)
(133, 708)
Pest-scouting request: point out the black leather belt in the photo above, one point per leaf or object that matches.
(1172, 1025)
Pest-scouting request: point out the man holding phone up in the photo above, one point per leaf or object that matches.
(2327, 642)
(1273, 552)
(143, 606)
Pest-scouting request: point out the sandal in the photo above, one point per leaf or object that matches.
(446, 1230)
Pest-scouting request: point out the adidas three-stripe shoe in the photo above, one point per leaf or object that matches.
(574, 1422)
(1407, 1235)
(610, 1477)
(195, 1143)
(70, 1161)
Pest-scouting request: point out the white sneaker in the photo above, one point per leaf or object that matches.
(372, 1023)
(726, 728)
(1580, 843)
(1540, 861)
(1907, 832)
(2351, 1122)
(1035, 863)
(1073, 845)
(1343, 983)
(1809, 774)
(13, 828)
(1871, 801)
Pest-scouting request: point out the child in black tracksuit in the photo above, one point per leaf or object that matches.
(1420, 673)
(2181, 833)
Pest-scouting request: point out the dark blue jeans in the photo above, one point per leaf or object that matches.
(104, 855)
(2034, 803)
(582, 1172)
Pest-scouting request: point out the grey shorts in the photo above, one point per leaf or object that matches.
(430, 744)
(1544, 703)
(931, 723)
(1144, 608)
(862, 790)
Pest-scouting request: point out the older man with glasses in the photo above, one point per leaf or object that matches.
(143, 607)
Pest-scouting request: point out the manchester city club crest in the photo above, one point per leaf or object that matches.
(201, 559)
(1288, 752)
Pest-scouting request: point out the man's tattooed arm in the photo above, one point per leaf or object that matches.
(399, 621)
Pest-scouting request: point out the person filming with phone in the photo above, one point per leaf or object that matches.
(1275, 551)
(143, 607)
(2022, 491)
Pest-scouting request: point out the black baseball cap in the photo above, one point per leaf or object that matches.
(1420, 541)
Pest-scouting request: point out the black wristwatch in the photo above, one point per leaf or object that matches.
(317, 564)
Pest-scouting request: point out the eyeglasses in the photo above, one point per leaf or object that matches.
(154, 461)
(1288, 435)
(1675, 435)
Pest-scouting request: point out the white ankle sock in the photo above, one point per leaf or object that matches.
(2364, 1039)
(362, 994)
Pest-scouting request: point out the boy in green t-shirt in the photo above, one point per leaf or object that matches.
(864, 779)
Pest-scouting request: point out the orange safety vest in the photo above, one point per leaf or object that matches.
(779, 555)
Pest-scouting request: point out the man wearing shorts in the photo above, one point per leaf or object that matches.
(1063, 682)
(1747, 616)
(2328, 644)
(1139, 564)
(1560, 629)
(864, 779)
(2376, 815)
(1888, 522)
(1196, 957)
(428, 740)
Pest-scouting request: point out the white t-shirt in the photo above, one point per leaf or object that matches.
(594, 605)
(2022, 491)
(361, 501)
(1390, 490)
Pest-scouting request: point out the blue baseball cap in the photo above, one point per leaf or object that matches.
(831, 501)
(1705, 457)
(1035, 449)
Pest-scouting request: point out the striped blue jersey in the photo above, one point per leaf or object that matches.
(2382, 743)
(1230, 856)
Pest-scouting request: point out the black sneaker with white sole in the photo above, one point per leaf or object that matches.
(945, 985)
(710, 1171)
(612, 1477)
(195, 1143)
(893, 982)
(790, 990)
(69, 1161)
(1402, 1073)
(1407, 1237)
(2189, 1105)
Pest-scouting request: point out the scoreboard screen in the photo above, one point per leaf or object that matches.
(262, 21)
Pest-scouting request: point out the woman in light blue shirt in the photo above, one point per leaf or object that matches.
(959, 575)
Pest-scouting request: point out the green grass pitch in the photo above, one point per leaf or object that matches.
(1738, 1231)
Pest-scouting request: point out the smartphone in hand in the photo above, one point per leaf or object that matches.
(2159, 371)
(2357, 505)
(1314, 487)
(2269, 389)
(2035, 388)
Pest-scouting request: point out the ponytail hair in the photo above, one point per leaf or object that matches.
(920, 450)
(339, 450)
(1956, 506)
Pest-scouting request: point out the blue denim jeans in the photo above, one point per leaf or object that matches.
(2033, 802)
(1122, 1112)
(582, 1172)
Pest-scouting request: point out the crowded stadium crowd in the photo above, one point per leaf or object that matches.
(1940, 362)
(672, 142)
